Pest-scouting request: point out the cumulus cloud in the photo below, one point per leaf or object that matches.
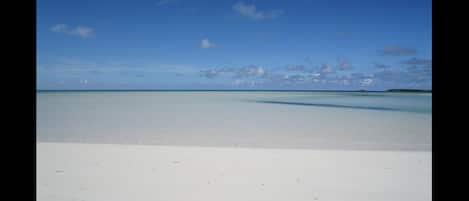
(295, 68)
(361, 79)
(345, 80)
(80, 31)
(294, 78)
(361, 76)
(315, 75)
(205, 43)
(326, 68)
(59, 28)
(366, 82)
(210, 73)
(250, 83)
(214, 72)
(251, 11)
(251, 71)
(326, 75)
(243, 72)
(396, 50)
(344, 64)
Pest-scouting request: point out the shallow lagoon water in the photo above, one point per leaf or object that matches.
(316, 120)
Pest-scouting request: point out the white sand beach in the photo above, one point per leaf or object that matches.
(88, 172)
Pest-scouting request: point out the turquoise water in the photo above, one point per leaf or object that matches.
(318, 120)
(406, 102)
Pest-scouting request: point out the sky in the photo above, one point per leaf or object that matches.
(239, 45)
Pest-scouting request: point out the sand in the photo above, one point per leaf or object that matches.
(71, 171)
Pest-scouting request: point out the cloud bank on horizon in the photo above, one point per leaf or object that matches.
(304, 45)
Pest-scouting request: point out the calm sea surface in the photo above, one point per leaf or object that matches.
(318, 120)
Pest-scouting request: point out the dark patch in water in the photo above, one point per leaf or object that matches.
(329, 105)
(374, 95)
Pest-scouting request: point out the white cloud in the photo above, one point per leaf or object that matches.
(80, 31)
(249, 83)
(251, 11)
(205, 43)
(326, 68)
(316, 75)
(344, 64)
(366, 82)
(59, 28)
(251, 71)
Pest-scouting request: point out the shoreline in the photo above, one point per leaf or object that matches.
(390, 148)
(410, 91)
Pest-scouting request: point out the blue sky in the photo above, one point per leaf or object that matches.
(261, 44)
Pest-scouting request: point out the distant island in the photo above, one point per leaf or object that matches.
(409, 90)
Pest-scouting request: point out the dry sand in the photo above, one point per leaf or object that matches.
(87, 172)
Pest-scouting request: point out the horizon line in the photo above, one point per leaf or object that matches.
(244, 90)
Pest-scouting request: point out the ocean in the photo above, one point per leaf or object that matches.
(263, 119)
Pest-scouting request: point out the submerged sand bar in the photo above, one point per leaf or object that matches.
(96, 172)
(229, 119)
